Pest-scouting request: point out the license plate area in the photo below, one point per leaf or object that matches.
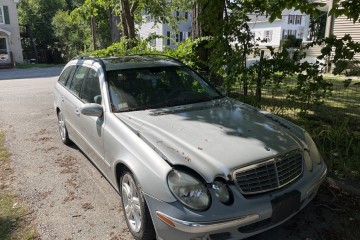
(285, 205)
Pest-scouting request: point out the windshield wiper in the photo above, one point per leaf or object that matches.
(130, 109)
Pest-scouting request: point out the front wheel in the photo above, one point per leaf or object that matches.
(135, 210)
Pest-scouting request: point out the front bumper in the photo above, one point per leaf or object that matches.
(205, 227)
(243, 219)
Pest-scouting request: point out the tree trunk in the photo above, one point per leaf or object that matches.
(208, 21)
(114, 22)
(208, 17)
(127, 18)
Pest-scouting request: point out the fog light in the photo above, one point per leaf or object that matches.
(222, 192)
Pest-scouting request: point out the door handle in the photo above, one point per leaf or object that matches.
(62, 99)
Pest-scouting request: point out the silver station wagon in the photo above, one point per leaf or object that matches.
(187, 161)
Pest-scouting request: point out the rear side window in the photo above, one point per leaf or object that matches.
(91, 90)
(65, 75)
(77, 80)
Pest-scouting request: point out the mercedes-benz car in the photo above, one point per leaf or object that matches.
(187, 161)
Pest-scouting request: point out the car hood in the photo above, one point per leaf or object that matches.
(213, 138)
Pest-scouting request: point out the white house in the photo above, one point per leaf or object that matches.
(10, 45)
(293, 22)
(172, 38)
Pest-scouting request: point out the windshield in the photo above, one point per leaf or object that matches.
(157, 87)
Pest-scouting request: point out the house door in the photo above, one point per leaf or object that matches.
(4, 52)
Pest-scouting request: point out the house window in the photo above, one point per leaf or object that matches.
(181, 37)
(291, 19)
(177, 37)
(298, 19)
(186, 15)
(168, 38)
(292, 32)
(2, 20)
(189, 34)
(285, 34)
(268, 35)
(177, 15)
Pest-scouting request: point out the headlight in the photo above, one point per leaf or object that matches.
(222, 192)
(313, 151)
(188, 190)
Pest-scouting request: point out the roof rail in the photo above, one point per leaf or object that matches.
(97, 59)
(158, 54)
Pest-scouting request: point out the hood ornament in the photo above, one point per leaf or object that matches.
(267, 149)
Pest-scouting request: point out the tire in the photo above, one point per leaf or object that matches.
(135, 210)
(62, 129)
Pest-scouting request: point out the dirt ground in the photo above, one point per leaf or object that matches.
(68, 197)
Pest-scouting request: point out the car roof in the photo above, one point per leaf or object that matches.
(134, 61)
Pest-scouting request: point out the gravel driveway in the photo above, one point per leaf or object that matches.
(71, 200)
(69, 197)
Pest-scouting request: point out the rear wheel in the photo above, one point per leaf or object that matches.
(62, 129)
(135, 209)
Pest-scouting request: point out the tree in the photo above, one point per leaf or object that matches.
(37, 16)
(73, 31)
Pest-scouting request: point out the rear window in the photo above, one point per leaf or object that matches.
(77, 80)
(65, 75)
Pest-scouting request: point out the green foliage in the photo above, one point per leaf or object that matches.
(290, 42)
(342, 53)
(340, 146)
(317, 26)
(186, 52)
(349, 8)
(122, 48)
(38, 14)
(74, 33)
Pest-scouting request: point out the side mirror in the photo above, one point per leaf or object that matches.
(92, 109)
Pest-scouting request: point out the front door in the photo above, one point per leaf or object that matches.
(91, 128)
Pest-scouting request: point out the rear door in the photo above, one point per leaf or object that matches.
(72, 103)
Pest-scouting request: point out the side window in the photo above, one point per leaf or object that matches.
(77, 80)
(91, 92)
(65, 75)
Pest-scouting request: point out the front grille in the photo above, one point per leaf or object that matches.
(271, 174)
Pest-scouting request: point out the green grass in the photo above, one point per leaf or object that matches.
(14, 222)
(37, 65)
(3, 151)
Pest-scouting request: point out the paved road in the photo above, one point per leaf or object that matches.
(6, 74)
(71, 200)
